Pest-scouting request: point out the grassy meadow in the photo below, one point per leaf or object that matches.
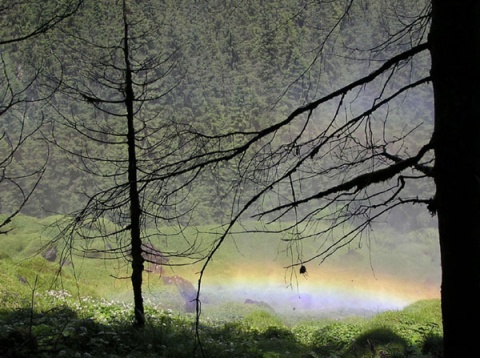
(377, 299)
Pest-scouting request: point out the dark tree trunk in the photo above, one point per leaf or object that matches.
(135, 209)
(455, 50)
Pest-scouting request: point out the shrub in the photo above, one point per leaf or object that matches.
(335, 337)
(433, 346)
(278, 333)
(263, 320)
(379, 342)
(17, 343)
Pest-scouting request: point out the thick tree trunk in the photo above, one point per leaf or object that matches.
(455, 50)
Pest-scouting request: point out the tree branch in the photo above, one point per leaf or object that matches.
(425, 169)
(360, 182)
(46, 26)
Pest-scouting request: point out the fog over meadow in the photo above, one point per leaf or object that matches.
(213, 82)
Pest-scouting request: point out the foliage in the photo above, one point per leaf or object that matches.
(415, 323)
(87, 311)
(237, 67)
(61, 325)
(329, 338)
(379, 342)
(263, 321)
(385, 252)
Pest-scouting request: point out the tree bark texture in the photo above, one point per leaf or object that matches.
(455, 50)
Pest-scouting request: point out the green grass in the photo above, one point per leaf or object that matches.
(60, 325)
(83, 309)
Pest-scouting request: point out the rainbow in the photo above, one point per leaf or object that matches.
(321, 291)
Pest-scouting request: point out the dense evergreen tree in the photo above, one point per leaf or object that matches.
(22, 23)
(257, 82)
(357, 166)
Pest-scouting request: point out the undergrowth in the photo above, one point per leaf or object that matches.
(56, 324)
(43, 314)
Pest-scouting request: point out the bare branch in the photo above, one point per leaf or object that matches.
(360, 182)
(47, 25)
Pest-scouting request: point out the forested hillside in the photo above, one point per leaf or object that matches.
(209, 68)
(251, 156)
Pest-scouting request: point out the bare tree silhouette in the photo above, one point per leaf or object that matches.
(128, 205)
